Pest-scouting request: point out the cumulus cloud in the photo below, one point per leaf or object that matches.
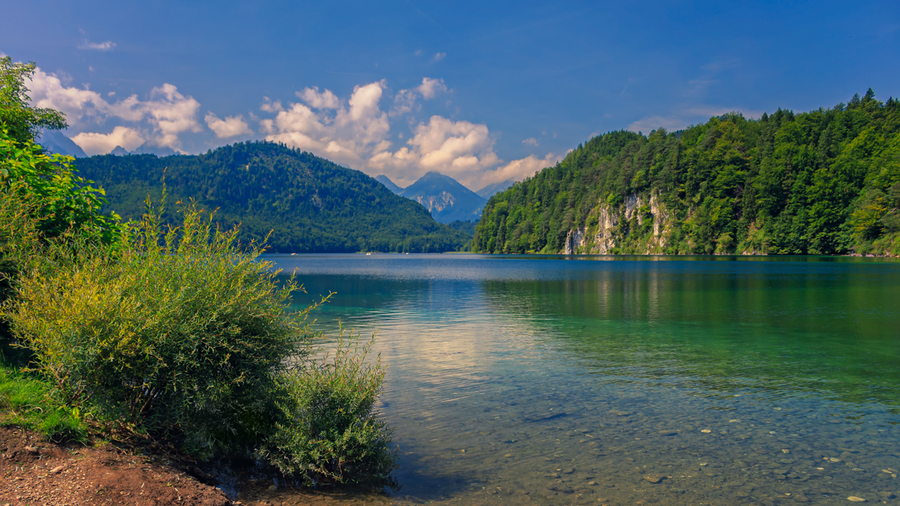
(171, 113)
(97, 46)
(319, 100)
(439, 56)
(96, 144)
(520, 169)
(161, 119)
(531, 141)
(343, 132)
(356, 132)
(404, 100)
(431, 87)
(231, 126)
(270, 106)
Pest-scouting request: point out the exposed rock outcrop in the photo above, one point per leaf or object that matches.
(610, 227)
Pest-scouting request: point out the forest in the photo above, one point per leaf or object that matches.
(307, 203)
(824, 182)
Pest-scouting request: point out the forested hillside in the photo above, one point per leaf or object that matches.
(310, 204)
(821, 182)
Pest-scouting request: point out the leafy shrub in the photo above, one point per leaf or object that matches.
(182, 334)
(64, 201)
(329, 432)
(179, 334)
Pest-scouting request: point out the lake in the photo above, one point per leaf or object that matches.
(624, 380)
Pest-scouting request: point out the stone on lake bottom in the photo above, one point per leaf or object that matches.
(655, 478)
(853, 498)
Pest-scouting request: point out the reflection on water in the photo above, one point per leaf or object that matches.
(674, 381)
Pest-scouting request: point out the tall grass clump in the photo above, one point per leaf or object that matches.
(180, 334)
(328, 430)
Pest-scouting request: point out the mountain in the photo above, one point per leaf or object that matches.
(309, 203)
(386, 181)
(492, 189)
(821, 182)
(55, 141)
(144, 149)
(445, 198)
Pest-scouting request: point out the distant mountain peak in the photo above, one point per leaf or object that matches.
(494, 188)
(445, 198)
(55, 141)
(386, 181)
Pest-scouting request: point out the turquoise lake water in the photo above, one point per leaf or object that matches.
(624, 380)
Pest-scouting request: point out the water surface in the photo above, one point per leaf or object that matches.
(621, 380)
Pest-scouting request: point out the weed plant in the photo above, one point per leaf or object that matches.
(329, 431)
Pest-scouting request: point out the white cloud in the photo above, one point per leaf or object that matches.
(405, 100)
(520, 169)
(345, 133)
(163, 117)
(98, 46)
(47, 90)
(459, 149)
(231, 126)
(439, 56)
(431, 87)
(269, 106)
(356, 132)
(317, 100)
(96, 144)
(531, 141)
(171, 113)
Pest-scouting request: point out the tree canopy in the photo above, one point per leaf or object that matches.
(21, 120)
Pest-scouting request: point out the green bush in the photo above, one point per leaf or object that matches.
(184, 335)
(63, 200)
(329, 432)
(180, 334)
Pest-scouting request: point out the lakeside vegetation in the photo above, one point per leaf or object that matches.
(821, 182)
(166, 328)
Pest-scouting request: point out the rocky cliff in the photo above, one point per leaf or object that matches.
(639, 225)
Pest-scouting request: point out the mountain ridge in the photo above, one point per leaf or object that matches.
(310, 204)
(822, 182)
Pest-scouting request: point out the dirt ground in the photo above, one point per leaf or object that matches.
(37, 472)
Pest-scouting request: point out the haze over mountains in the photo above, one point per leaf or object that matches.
(445, 198)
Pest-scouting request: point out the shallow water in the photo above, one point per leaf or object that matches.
(553, 380)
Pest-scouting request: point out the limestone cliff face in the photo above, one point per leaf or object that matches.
(436, 203)
(621, 228)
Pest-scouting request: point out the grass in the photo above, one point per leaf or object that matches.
(26, 401)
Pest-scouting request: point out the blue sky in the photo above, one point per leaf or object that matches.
(481, 91)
